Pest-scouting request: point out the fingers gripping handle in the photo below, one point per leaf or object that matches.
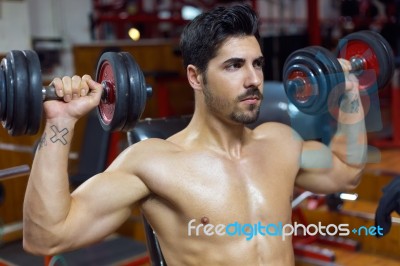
(107, 96)
(49, 93)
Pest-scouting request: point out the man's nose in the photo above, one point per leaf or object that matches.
(254, 77)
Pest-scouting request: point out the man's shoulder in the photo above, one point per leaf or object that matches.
(142, 156)
(276, 130)
(154, 145)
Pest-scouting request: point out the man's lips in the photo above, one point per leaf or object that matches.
(251, 100)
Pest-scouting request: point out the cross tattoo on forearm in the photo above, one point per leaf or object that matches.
(59, 135)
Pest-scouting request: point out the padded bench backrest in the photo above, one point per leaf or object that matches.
(161, 128)
(94, 151)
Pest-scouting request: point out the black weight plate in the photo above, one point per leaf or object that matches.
(297, 66)
(388, 65)
(111, 69)
(35, 94)
(21, 100)
(137, 91)
(330, 64)
(305, 61)
(3, 94)
(8, 118)
(333, 74)
(376, 51)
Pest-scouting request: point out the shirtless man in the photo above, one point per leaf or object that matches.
(215, 171)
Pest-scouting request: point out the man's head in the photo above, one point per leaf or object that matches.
(223, 60)
(203, 36)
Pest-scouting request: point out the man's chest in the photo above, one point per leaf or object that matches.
(228, 190)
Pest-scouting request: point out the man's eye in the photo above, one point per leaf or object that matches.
(234, 66)
(259, 64)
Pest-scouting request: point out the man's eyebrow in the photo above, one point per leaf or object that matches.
(260, 59)
(234, 60)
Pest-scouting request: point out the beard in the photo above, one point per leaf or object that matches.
(218, 105)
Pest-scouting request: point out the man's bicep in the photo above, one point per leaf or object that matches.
(318, 166)
(316, 157)
(110, 191)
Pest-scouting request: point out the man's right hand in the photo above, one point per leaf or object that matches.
(80, 95)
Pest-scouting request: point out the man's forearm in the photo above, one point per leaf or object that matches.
(349, 143)
(47, 199)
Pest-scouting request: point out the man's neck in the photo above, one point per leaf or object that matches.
(221, 135)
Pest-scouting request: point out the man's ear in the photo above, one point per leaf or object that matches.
(194, 77)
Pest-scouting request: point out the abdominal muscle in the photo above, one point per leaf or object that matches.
(227, 250)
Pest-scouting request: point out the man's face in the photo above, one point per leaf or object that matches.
(233, 81)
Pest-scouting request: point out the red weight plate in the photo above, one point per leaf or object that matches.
(307, 91)
(107, 107)
(113, 109)
(360, 49)
(376, 54)
(385, 57)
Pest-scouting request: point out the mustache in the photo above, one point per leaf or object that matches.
(252, 92)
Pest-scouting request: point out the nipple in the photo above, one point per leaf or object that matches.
(204, 220)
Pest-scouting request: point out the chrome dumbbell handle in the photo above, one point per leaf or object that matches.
(358, 65)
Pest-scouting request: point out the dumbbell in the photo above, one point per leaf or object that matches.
(22, 94)
(313, 74)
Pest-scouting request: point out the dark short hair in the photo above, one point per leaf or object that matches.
(203, 36)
